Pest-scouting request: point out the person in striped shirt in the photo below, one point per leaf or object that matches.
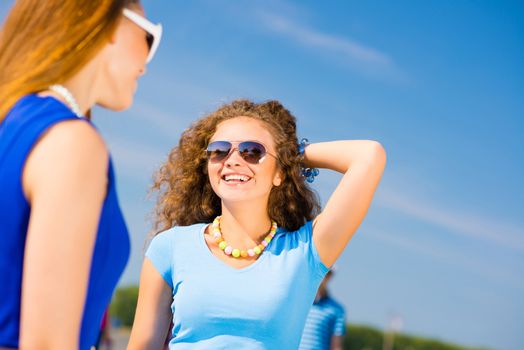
(325, 324)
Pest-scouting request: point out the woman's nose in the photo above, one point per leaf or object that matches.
(234, 158)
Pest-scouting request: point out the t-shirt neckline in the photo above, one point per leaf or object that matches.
(217, 261)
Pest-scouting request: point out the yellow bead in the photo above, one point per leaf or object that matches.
(257, 250)
(222, 245)
(236, 253)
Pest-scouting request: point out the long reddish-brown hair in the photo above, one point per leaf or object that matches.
(185, 195)
(46, 42)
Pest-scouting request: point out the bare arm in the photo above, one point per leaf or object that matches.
(362, 163)
(153, 313)
(65, 180)
(337, 342)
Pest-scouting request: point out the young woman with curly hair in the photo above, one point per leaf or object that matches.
(243, 245)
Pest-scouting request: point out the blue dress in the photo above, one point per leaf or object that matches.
(25, 123)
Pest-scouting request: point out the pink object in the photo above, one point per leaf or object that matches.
(264, 243)
(103, 324)
(251, 252)
(228, 250)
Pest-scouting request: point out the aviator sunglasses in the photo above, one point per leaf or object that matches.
(153, 31)
(251, 151)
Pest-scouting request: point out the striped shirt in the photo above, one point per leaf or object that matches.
(326, 319)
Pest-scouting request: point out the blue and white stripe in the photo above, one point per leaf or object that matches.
(326, 319)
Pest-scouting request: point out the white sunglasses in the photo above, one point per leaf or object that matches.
(153, 31)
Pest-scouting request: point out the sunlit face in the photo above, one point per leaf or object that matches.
(233, 179)
(126, 59)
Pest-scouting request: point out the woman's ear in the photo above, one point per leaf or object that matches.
(112, 38)
(277, 179)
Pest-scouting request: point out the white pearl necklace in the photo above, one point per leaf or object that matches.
(68, 97)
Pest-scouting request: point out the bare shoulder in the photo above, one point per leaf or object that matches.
(74, 141)
(76, 135)
(67, 151)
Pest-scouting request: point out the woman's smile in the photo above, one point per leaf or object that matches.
(236, 178)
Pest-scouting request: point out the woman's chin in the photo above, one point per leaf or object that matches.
(117, 105)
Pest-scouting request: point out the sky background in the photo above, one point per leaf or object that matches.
(439, 83)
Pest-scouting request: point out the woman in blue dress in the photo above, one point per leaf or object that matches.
(64, 240)
(243, 245)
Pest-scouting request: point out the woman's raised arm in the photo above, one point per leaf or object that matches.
(362, 163)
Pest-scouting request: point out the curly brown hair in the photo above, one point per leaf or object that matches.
(185, 196)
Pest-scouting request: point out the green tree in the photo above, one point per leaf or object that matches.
(123, 305)
(363, 338)
(359, 337)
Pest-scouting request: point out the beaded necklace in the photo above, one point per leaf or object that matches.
(235, 252)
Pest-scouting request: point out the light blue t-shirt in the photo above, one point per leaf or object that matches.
(215, 306)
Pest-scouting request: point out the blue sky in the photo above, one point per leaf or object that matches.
(438, 83)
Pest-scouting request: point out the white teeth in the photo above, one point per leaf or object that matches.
(242, 178)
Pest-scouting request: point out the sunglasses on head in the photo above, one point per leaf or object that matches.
(153, 31)
(251, 151)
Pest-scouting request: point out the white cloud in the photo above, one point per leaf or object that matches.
(135, 160)
(474, 226)
(362, 58)
(311, 37)
(451, 256)
(165, 123)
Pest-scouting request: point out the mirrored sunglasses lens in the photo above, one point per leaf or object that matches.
(251, 152)
(217, 151)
